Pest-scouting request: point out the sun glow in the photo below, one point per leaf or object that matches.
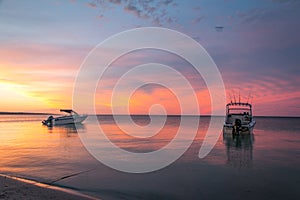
(14, 97)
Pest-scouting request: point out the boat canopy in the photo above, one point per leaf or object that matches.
(70, 111)
(239, 108)
(239, 104)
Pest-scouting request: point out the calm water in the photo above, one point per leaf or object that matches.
(264, 165)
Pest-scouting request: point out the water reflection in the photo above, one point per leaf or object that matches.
(69, 130)
(28, 148)
(31, 150)
(239, 149)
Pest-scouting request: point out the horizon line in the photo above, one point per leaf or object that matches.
(169, 115)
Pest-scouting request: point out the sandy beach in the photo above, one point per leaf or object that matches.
(16, 188)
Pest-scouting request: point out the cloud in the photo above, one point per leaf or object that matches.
(133, 9)
(197, 8)
(267, 92)
(91, 5)
(35, 56)
(283, 9)
(100, 16)
(115, 1)
(157, 12)
(197, 20)
(6, 80)
(252, 15)
(150, 88)
(295, 2)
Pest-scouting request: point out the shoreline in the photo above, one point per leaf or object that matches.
(12, 187)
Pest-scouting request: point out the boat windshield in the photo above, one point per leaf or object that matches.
(239, 109)
(71, 112)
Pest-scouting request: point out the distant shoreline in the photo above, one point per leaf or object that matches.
(34, 113)
(25, 113)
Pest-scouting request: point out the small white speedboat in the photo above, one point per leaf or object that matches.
(72, 118)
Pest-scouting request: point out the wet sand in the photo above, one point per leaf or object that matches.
(17, 188)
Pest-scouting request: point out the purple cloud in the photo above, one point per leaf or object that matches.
(157, 12)
(198, 20)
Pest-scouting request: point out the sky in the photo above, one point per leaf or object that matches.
(43, 44)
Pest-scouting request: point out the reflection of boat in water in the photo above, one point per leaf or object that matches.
(68, 130)
(239, 149)
(72, 118)
(239, 118)
(70, 127)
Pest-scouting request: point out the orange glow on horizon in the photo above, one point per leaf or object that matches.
(141, 102)
(48, 87)
(19, 98)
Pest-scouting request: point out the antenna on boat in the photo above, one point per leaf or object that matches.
(251, 99)
(249, 95)
(234, 96)
(230, 98)
(239, 95)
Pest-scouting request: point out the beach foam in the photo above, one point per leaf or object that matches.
(19, 188)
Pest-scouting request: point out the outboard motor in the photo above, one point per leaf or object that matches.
(237, 126)
(50, 121)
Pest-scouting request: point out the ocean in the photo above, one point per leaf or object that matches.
(262, 165)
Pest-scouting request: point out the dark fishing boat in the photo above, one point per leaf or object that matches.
(239, 118)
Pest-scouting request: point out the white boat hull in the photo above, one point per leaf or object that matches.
(64, 120)
(69, 120)
(245, 128)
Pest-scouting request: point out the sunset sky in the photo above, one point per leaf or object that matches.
(43, 44)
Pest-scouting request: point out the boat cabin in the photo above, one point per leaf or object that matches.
(238, 112)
